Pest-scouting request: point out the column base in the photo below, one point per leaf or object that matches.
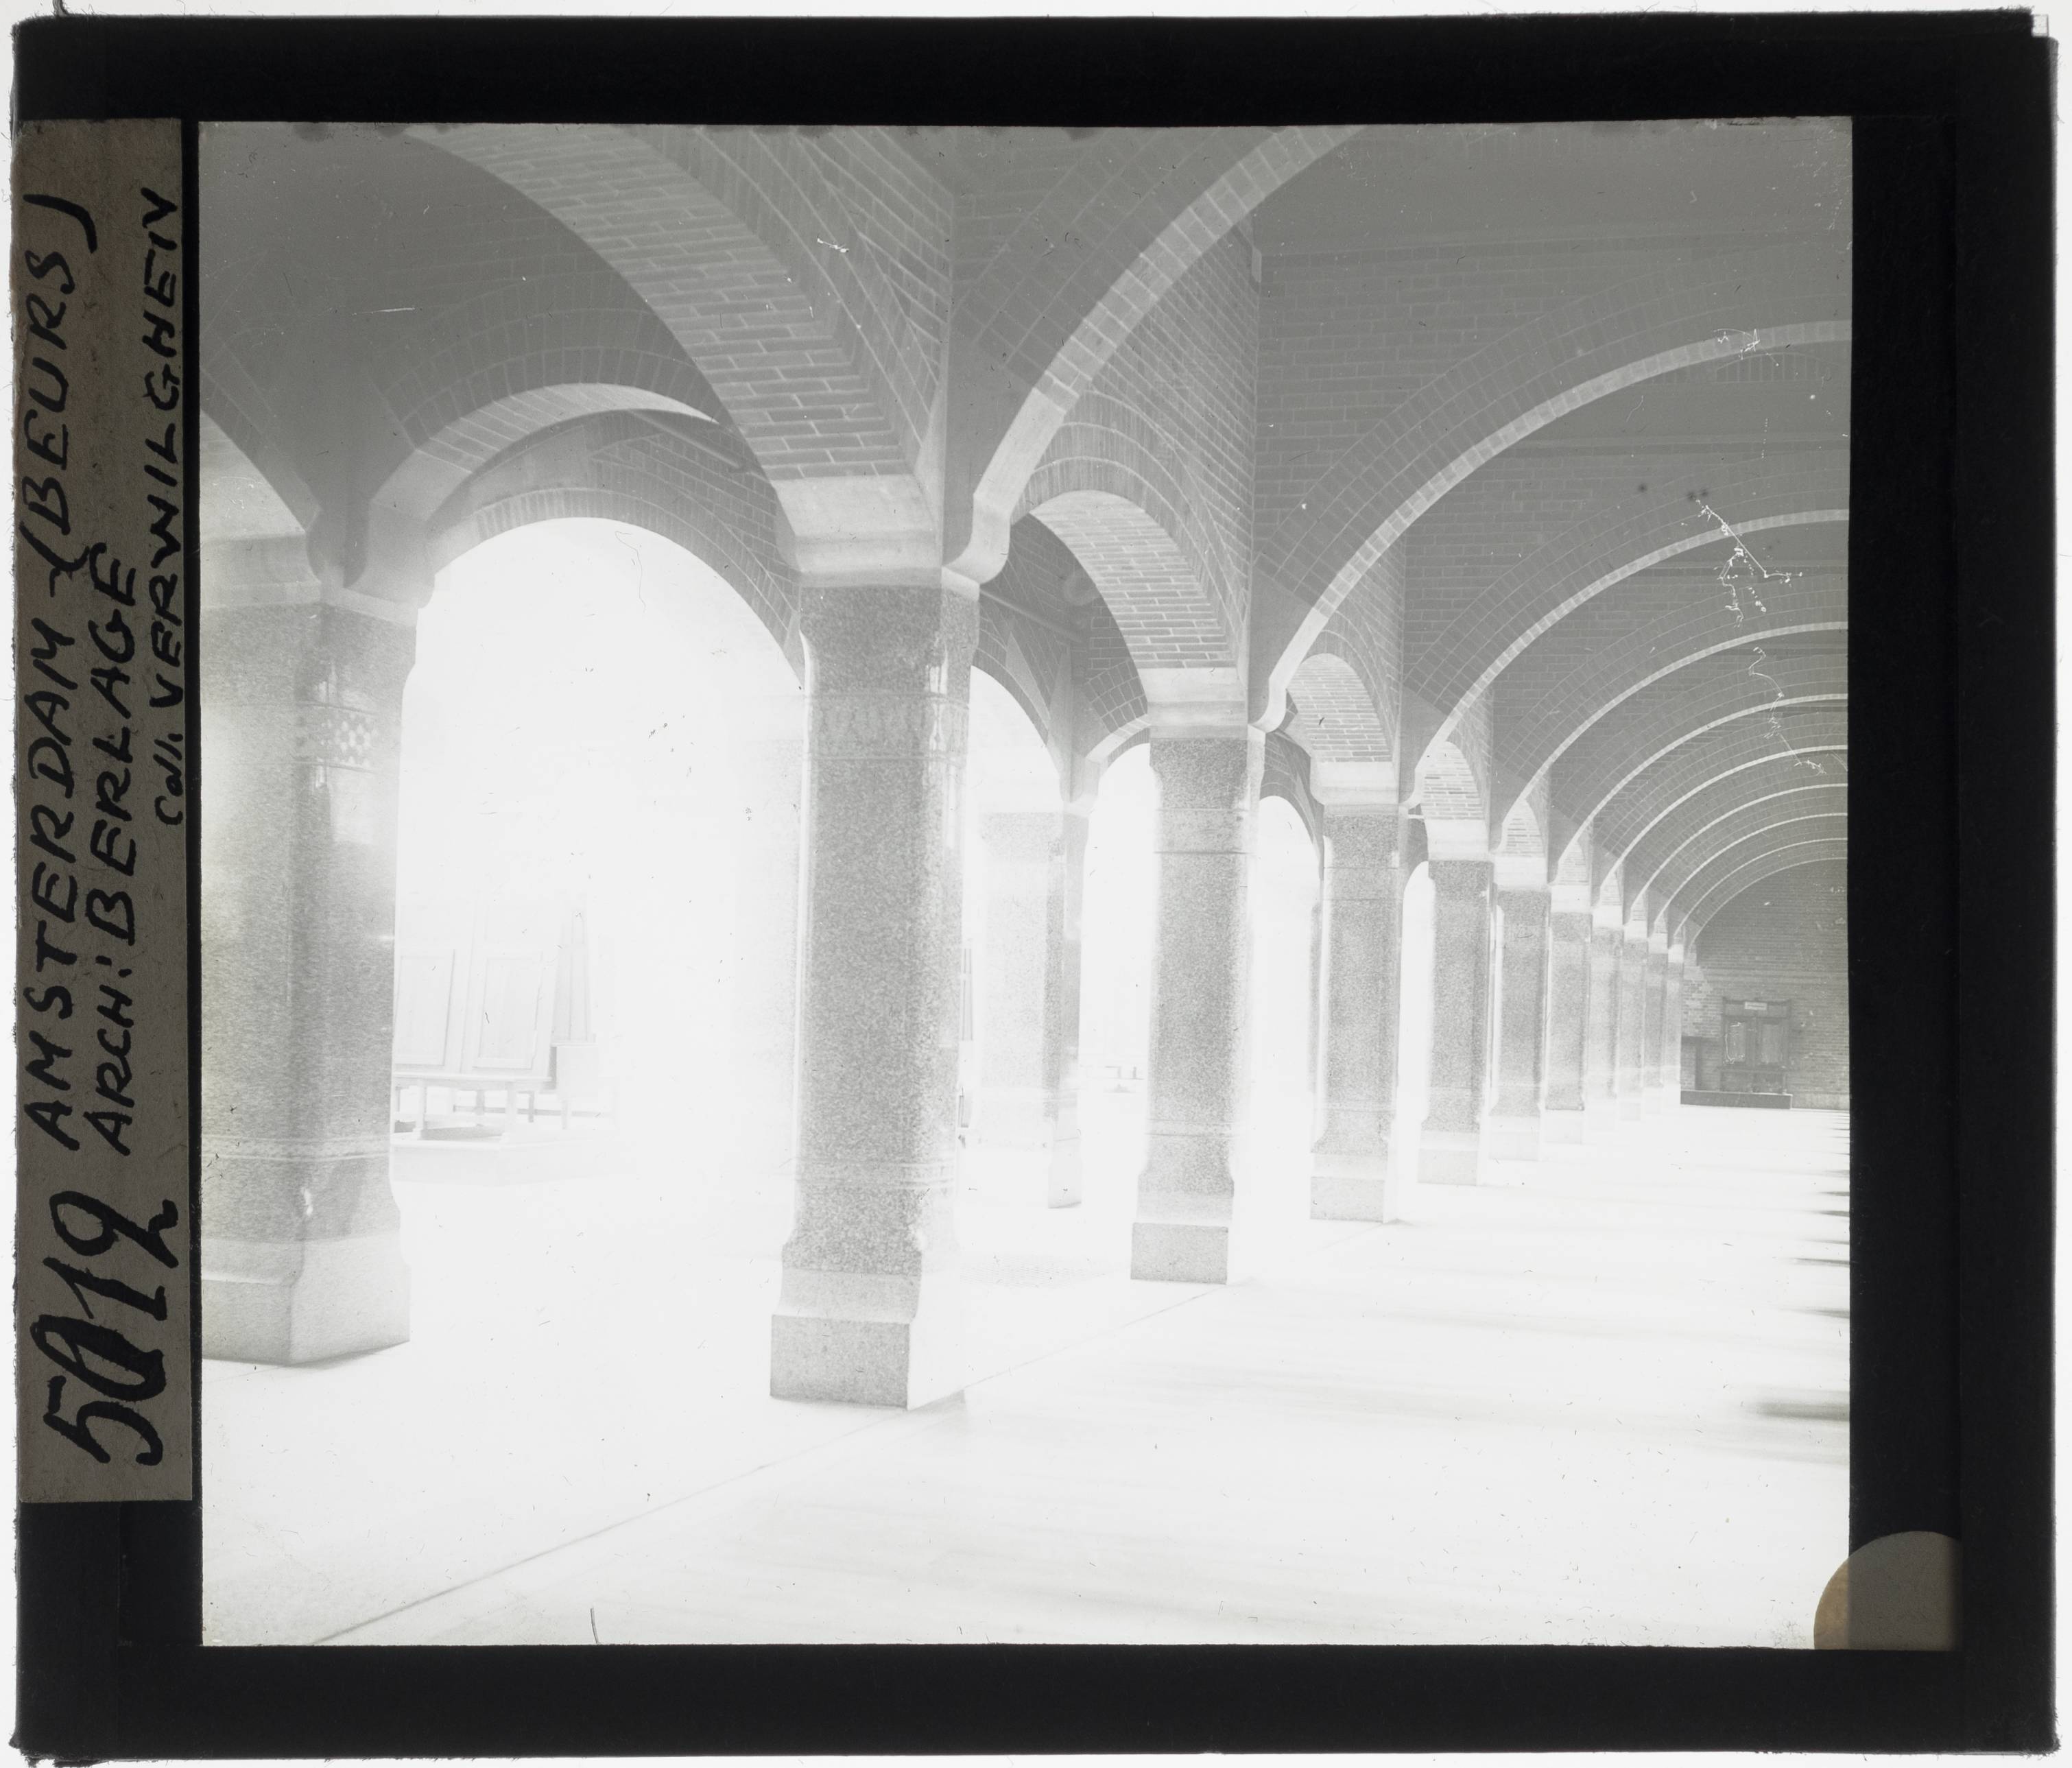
(1512, 1138)
(867, 1339)
(1062, 1188)
(1560, 1125)
(1449, 1157)
(1354, 1188)
(1653, 1101)
(304, 1300)
(1600, 1120)
(1630, 1108)
(1180, 1251)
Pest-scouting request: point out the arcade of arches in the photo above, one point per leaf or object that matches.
(1308, 664)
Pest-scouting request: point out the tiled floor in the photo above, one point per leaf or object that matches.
(1601, 1403)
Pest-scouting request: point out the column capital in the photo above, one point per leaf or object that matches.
(1519, 874)
(1353, 787)
(1456, 838)
(1569, 899)
(1209, 702)
(864, 531)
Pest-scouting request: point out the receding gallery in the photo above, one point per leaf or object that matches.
(973, 885)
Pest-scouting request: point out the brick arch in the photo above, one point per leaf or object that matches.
(1338, 718)
(1694, 698)
(1786, 859)
(1701, 311)
(1807, 742)
(1285, 774)
(1494, 630)
(1112, 706)
(1152, 588)
(1720, 800)
(1541, 761)
(999, 661)
(446, 456)
(1134, 212)
(1038, 659)
(1782, 849)
(816, 309)
(1789, 810)
(1448, 790)
(1582, 667)
(1522, 829)
(620, 468)
(228, 470)
(243, 417)
(1108, 449)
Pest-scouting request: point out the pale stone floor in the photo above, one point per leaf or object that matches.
(1603, 1402)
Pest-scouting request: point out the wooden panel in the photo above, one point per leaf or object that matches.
(424, 998)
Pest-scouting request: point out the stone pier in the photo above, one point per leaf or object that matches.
(1449, 1147)
(868, 1309)
(1632, 1023)
(1208, 773)
(301, 707)
(1515, 1113)
(1361, 911)
(1569, 957)
(1029, 1032)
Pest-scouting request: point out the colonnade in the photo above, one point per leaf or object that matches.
(1551, 1020)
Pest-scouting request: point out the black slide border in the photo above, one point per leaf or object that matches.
(1951, 899)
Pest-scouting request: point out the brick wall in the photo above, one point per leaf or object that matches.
(1784, 939)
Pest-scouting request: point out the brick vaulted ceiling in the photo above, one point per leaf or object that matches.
(1467, 449)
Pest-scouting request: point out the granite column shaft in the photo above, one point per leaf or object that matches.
(302, 729)
(1449, 1146)
(1632, 1024)
(1362, 938)
(869, 1309)
(1515, 1113)
(1030, 1015)
(1567, 1022)
(1187, 1197)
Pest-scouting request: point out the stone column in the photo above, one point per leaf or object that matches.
(1655, 1022)
(1568, 1012)
(1513, 1123)
(1029, 1028)
(1449, 1146)
(869, 1309)
(1601, 1026)
(1351, 1176)
(1187, 1200)
(1632, 1023)
(302, 1255)
(1672, 1032)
